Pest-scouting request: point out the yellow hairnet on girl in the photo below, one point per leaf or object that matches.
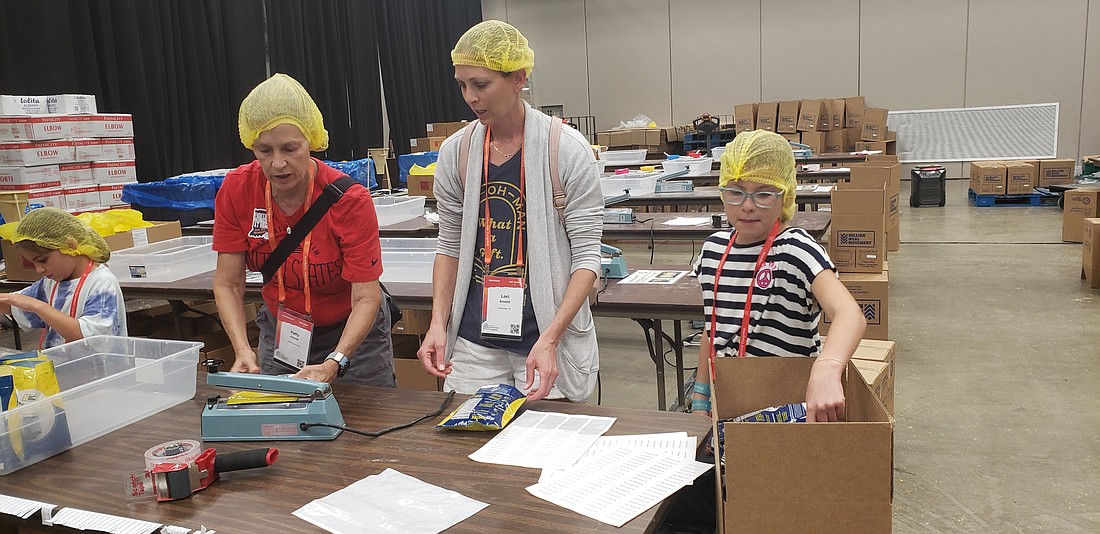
(58, 230)
(765, 158)
(494, 45)
(280, 99)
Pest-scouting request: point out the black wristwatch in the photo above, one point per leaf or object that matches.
(342, 361)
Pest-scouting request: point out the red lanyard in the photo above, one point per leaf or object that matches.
(72, 305)
(520, 217)
(305, 242)
(744, 333)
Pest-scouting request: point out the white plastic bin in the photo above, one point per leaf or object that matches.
(638, 183)
(395, 209)
(106, 383)
(623, 157)
(407, 259)
(717, 151)
(165, 261)
(695, 166)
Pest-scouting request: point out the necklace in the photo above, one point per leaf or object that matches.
(505, 156)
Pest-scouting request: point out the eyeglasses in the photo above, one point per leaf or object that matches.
(762, 199)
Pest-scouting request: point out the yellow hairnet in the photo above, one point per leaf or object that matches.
(58, 230)
(765, 158)
(494, 45)
(280, 99)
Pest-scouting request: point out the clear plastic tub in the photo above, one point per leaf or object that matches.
(695, 166)
(638, 183)
(165, 261)
(395, 209)
(106, 383)
(623, 157)
(407, 259)
(717, 151)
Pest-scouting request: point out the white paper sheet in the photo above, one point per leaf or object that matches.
(21, 508)
(677, 444)
(653, 277)
(85, 520)
(390, 502)
(618, 484)
(688, 221)
(543, 440)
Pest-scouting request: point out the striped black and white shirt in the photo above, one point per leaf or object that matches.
(784, 316)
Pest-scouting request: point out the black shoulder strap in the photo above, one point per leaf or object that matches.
(329, 196)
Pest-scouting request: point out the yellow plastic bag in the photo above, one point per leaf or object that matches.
(417, 170)
(111, 222)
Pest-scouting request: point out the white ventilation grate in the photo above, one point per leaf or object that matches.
(967, 134)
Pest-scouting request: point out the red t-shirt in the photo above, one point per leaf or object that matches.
(343, 246)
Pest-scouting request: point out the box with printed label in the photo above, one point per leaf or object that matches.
(111, 194)
(53, 197)
(885, 167)
(113, 172)
(1056, 172)
(87, 149)
(36, 153)
(22, 105)
(836, 110)
(744, 117)
(988, 177)
(1090, 253)
(872, 294)
(878, 376)
(35, 128)
(70, 104)
(114, 125)
(21, 178)
(160, 231)
(1080, 204)
(873, 125)
(444, 129)
(74, 174)
(1020, 179)
(857, 235)
(809, 115)
(116, 149)
(426, 144)
(766, 114)
(853, 112)
(787, 121)
(851, 496)
(814, 140)
(836, 140)
(81, 198)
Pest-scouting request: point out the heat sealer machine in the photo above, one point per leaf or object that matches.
(301, 410)
(612, 262)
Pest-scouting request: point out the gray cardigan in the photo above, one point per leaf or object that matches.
(554, 252)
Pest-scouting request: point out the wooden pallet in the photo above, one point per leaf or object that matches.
(985, 201)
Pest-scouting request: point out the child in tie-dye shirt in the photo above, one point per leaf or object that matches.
(77, 295)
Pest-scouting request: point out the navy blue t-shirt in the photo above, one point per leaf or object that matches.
(505, 207)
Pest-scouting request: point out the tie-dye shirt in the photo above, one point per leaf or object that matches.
(100, 309)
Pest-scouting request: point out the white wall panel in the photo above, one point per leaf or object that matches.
(809, 49)
(913, 54)
(556, 31)
(1025, 52)
(629, 60)
(1090, 114)
(715, 56)
(494, 10)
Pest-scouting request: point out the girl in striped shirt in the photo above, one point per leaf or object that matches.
(785, 275)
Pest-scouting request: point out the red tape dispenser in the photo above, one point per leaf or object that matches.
(174, 481)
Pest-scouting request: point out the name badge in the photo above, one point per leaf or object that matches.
(502, 310)
(293, 334)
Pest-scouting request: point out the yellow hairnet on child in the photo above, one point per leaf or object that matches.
(58, 230)
(280, 99)
(494, 45)
(765, 158)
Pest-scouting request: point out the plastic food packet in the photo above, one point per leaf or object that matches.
(34, 429)
(491, 408)
(786, 413)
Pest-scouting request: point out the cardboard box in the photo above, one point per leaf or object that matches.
(160, 231)
(1090, 253)
(71, 104)
(853, 111)
(116, 149)
(111, 194)
(422, 185)
(23, 178)
(1079, 204)
(82, 198)
(766, 115)
(412, 376)
(444, 129)
(814, 140)
(787, 120)
(52, 197)
(836, 140)
(113, 125)
(889, 146)
(873, 126)
(799, 463)
(114, 172)
(988, 177)
(74, 174)
(792, 137)
(825, 121)
(413, 322)
(836, 109)
(22, 105)
(883, 167)
(1020, 179)
(851, 136)
(35, 128)
(878, 376)
(744, 117)
(872, 293)
(857, 240)
(426, 144)
(809, 115)
(1056, 172)
(36, 153)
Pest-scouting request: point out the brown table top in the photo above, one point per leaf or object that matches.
(648, 225)
(832, 159)
(682, 300)
(91, 476)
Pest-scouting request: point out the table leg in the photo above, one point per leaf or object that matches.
(678, 350)
(178, 307)
(659, 361)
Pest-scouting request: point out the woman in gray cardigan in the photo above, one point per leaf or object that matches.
(515, 312)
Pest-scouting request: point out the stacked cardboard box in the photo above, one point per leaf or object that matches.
(1090, 252)
(656, 141)
(1013, 177)
(407, 336)
(857, 234)
(1080, 204)
(825, 125)
(437, 132)
(875, 361)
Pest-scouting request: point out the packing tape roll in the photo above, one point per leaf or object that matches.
(183, 451)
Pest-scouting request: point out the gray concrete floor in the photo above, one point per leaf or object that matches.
(998, 350)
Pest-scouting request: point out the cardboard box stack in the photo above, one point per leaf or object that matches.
(656, 141)
(64, 153)
(875, 361)
(407, 335)
(1090, 252)
(827, 125)
(1080, 204)
(437, 132)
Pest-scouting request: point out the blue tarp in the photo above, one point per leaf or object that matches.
(406, 161)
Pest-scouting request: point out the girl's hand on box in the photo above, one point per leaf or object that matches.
(824, 392)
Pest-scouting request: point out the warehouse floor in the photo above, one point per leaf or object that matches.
(997, 366)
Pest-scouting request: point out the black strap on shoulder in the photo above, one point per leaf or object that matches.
(329, 196)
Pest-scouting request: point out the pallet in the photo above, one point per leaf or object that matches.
(985, 201)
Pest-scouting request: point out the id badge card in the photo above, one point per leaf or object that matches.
(502, 314)
(293, 334)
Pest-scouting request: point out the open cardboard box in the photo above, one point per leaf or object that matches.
(801, 477)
